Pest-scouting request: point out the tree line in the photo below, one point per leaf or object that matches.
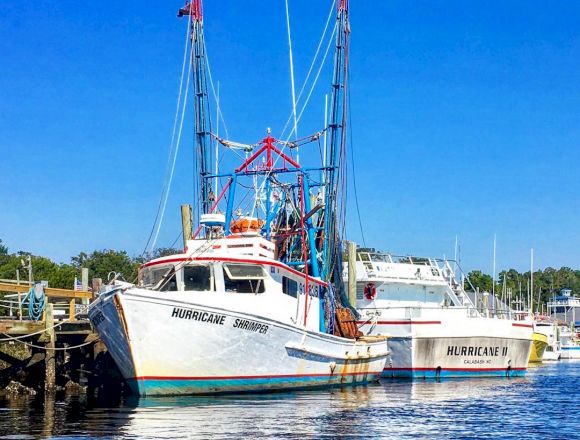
(547, 282)
(101, 263)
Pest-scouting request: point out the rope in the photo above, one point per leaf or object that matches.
(317, 73)
(171, 145)
(45, 348)
(352, 156)
(295, 130)
(285, 143)
(219, 109)
(64, 321)
(167, 188)
(330, 14)
(35, 305)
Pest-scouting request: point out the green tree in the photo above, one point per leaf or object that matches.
(480, 280)
(105, 262)
(43, 269)
(3, 248)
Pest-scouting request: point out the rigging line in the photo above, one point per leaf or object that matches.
(330, 15)
(328, 46)
(168, 187)
(352, 155)
(178, 237)
(219, 109)
(284, 145)
(171, 145)
(262, 185)
(291, 70)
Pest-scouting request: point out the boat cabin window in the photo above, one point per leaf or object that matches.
(244, 278)
(162, 278)
(197, 277)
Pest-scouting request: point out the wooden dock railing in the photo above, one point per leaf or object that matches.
(50, 292)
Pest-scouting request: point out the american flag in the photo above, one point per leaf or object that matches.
(78, 284)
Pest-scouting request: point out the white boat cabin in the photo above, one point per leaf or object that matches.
(408, 284)
(238, 270)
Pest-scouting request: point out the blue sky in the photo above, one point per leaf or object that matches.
(466, 120)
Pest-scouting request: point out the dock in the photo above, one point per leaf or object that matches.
(59, 351)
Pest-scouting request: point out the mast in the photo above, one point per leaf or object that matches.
(532, 281)
(335, 152)
(202, 122)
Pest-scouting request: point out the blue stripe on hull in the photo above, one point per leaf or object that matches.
(153, 387)
(446, 374)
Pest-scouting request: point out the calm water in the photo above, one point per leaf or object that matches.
(544, 405)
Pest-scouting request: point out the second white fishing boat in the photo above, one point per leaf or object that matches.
(435, 329)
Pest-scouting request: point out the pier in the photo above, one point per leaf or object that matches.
(58, 351)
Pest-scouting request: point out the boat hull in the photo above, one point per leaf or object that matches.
(474, 347)
(551, 354)
(570, 352)
(540, 342)
(167, 347)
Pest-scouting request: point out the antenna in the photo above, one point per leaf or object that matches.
(217, 135)
(493, 280)
(532, 280)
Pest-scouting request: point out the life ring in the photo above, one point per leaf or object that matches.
(370, 291)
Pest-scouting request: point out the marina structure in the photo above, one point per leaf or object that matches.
(254, 302)
(435, 329)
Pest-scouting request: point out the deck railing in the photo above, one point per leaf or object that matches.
(63, 299)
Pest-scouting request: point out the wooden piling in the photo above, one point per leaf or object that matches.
(352, 273)
(72, 309)
(85, 284)
(186, 223)
(49, 360)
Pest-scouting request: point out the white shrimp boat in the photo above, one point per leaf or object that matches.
(254, 301)
(228, 318)
(434, 327)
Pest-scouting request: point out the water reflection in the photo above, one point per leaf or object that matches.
(394, 409)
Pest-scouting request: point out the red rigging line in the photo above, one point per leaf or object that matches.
(192, 8)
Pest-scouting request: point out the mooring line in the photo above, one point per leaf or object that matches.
(45, 348)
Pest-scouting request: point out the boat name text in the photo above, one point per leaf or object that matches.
(98, 318)
(196, 315)
(456, 350)
(251, 326)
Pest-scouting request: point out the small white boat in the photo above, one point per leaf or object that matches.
(569, 344)
(435, 329)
